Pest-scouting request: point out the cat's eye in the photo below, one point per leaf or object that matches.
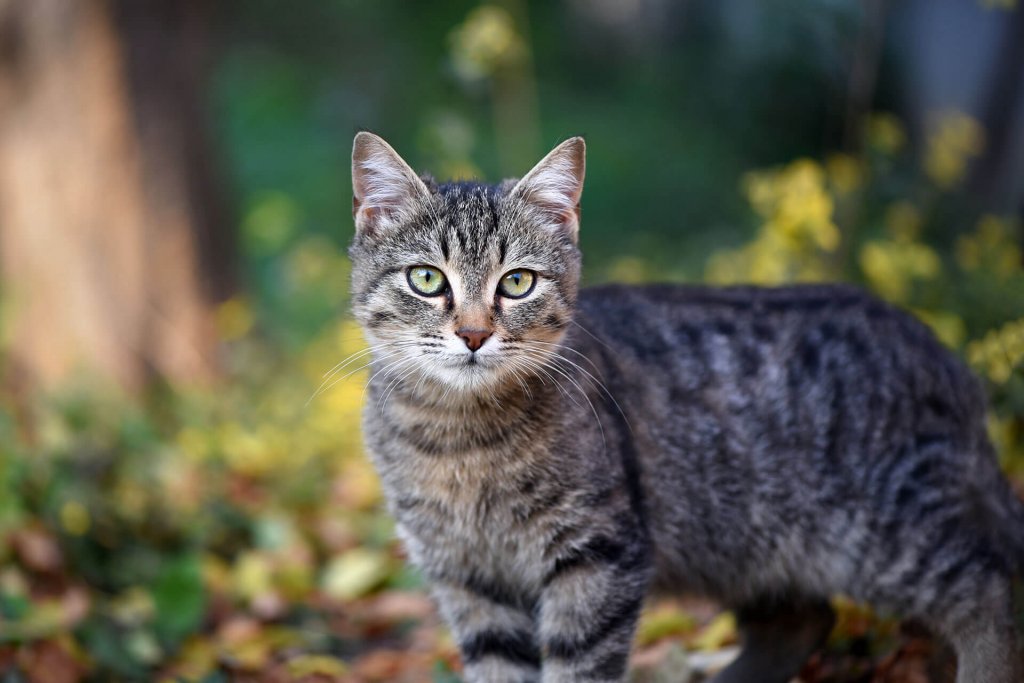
(427, 280)
(517, 283)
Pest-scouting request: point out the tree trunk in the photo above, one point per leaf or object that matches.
(114, 245)
(1000, 113)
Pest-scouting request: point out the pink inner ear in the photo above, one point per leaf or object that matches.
(560, 214)
(370, 213)
(555, 184)
(561, 208)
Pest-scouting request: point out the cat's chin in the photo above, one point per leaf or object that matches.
(470, 374)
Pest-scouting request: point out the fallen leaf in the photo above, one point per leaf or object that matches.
(721, 631)
(354, 573)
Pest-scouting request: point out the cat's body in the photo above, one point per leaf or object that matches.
(768, 448)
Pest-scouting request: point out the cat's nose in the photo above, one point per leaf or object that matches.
(474, 338)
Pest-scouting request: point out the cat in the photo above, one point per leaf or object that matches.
(553, 455)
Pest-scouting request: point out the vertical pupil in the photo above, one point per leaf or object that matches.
(426, 276)
(516, 277)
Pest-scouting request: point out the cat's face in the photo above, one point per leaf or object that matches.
(466, 284)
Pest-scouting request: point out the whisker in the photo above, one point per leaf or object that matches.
(363, 352)
(514, 368)
(397, 381)
(604, 389)
(540, 368)
(388, 370)
(566, 348)
(593, 336)
(548, 362)
(322, 389)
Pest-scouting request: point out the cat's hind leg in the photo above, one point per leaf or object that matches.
(979, 625)
(777, 639)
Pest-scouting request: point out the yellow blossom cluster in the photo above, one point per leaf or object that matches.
(954, 139)
(846, 173)
(991, 247)
(947, 326)
(1007, 436)
(892, 264)
(485, 42)
(999, 352)
(797, 232)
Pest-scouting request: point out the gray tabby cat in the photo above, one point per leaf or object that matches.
(553, 455)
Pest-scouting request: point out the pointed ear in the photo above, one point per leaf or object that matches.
(385, 191)
(553, 187)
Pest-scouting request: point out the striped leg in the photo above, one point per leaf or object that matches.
(979, 622)
(589, 610)
(496, 638)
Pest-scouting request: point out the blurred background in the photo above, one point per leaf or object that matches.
(174, 211)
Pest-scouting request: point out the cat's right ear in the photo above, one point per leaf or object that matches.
(553, 187)
(385, 190)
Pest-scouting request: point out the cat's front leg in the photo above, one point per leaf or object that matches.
(496, 637)
(589, 609)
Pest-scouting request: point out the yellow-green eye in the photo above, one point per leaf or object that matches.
(427, 280)
(517, 284)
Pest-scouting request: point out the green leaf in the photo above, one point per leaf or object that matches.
(179, 598)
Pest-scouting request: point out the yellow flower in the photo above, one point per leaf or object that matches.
(485, 42)
(846, 173)
(948, 327)
(991, 246)
(954, 139)
(797, 232)
(891, 266)
(885, 133)
(999, 352)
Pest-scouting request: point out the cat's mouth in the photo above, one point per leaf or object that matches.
(474, 362)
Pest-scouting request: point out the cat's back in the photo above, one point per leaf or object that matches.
(751, 336)
(814, 373)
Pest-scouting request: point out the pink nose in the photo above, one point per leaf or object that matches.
(474, 338)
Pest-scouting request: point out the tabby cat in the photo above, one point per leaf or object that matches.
(553, 455)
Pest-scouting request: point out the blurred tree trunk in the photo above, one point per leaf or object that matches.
(1000, 114)
(114, 244)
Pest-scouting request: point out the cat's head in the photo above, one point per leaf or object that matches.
(467, 284)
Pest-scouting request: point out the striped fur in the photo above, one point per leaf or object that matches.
(765, 447)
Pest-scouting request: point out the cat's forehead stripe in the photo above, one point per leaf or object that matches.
(471, 214)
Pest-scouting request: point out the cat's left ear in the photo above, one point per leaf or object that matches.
(385, 190)
(553, 187)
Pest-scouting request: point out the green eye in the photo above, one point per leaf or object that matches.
(517, 284)
(426, 280)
